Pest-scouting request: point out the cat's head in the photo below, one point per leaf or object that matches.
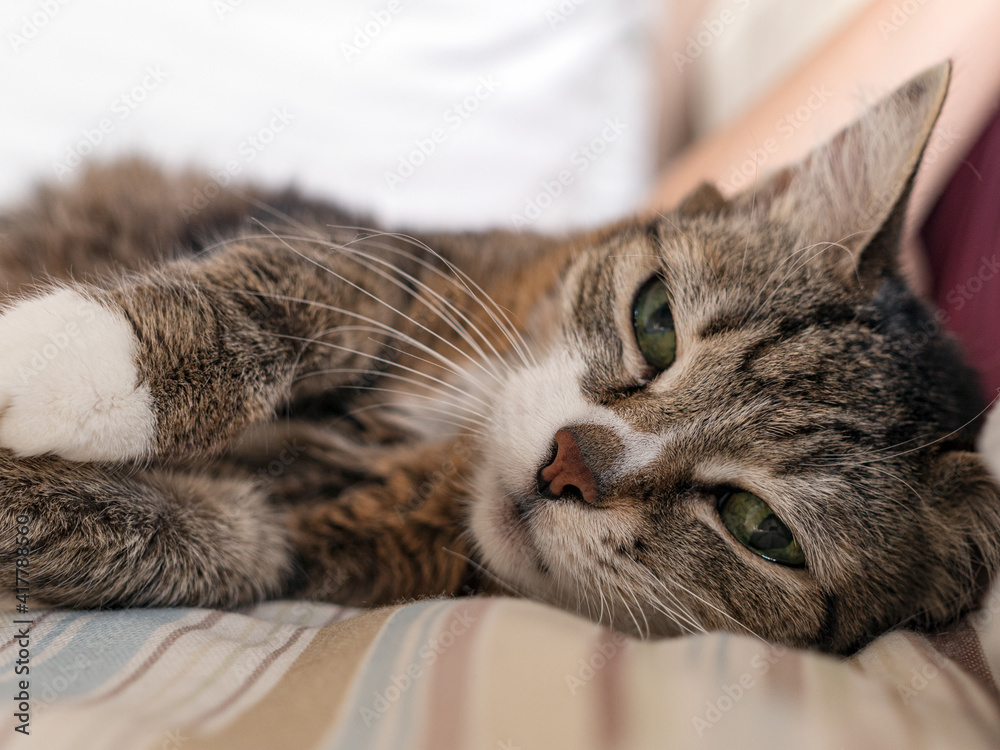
(742, 419)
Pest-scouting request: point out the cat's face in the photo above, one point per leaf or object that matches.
(730, 426)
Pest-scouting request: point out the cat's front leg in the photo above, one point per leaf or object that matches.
(397, 534)
(84, 535)
(179, 361)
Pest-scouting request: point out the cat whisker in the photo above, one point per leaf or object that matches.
(444, 315)
(919, 447)
(476, 417)
(642, 612)
(679, 616)
(825, 245)
(459, 328)
(395, 333)
(753, 207)
(510, 331)
(721, 611)
(505, 327)
(682, 610)
(277, 213)
(488, 573)
(788, 274)
(628, 611)
(382, 302)
(391, 363)
(371, 329)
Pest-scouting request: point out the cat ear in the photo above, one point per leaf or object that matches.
(704, 199)
(852, 192)
(964, 538)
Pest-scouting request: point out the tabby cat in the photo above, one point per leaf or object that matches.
(733, 416)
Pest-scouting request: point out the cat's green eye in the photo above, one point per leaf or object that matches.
(654, 324)
(754, 524)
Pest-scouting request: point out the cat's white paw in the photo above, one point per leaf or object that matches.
(69, 384)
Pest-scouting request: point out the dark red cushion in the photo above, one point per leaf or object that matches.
(962, 237)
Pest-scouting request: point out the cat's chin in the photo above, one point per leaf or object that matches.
(506, 542)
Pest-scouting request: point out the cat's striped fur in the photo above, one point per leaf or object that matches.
(259, 400)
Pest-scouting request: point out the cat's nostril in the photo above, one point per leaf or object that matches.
(567, 474)
(543, 486)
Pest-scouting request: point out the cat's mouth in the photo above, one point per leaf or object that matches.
(518, 529)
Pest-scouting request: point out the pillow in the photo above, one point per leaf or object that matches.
(487, 673)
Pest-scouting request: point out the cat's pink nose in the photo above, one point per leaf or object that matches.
(568, 471)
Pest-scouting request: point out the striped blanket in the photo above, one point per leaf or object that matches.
(490, 674)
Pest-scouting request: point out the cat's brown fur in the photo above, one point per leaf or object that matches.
(800, 375)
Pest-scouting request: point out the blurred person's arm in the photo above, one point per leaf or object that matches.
(867, 58)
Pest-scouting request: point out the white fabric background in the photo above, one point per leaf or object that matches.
(561, 69)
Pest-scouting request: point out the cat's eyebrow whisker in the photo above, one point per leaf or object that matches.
(909, 486)
(509, 330)
(756, 302)
(784, 279)
(824, 245)
(853, 462)
(376, 298)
